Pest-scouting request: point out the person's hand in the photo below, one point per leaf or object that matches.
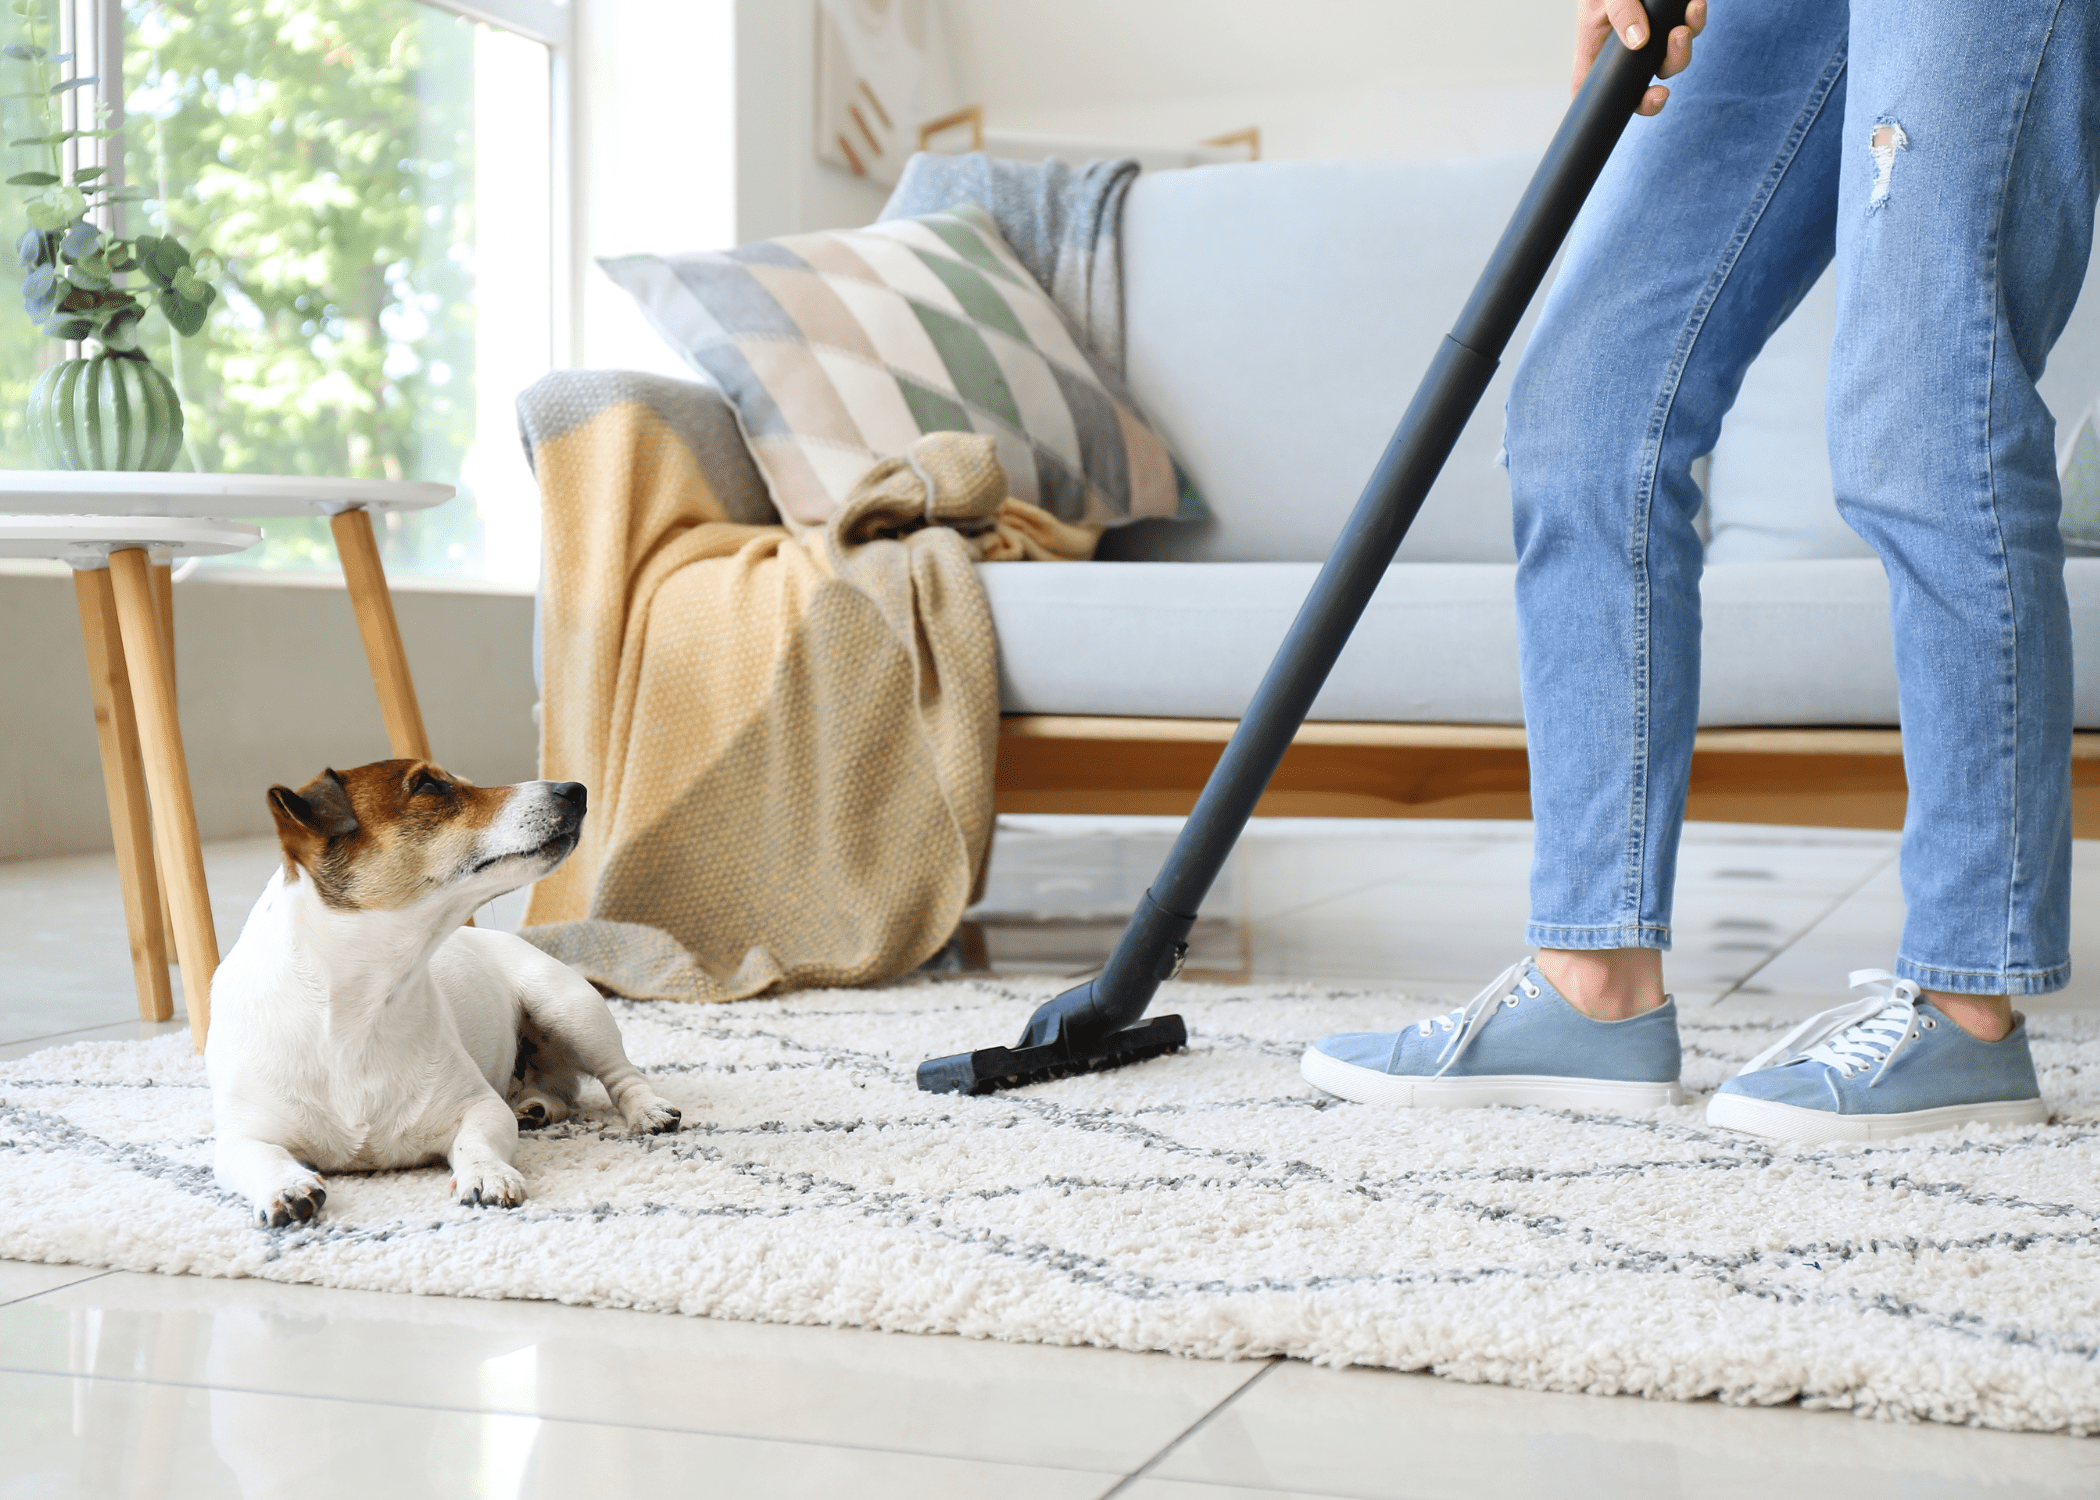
(1597, 19)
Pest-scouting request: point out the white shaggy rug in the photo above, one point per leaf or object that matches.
(1209, 1204)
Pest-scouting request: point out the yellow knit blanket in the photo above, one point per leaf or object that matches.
(788, 739)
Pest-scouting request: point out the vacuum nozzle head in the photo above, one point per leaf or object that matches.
(991, 1068)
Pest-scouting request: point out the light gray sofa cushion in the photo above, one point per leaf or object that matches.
(1439, 642)
(1280, 314)
(1278, 317)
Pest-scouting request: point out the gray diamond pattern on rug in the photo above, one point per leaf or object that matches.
(1209, 1204)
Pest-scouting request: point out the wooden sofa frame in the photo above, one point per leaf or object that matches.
(1828, 778)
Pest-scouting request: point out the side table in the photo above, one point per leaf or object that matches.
(349, 505)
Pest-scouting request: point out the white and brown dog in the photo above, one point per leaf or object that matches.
(357, 1025)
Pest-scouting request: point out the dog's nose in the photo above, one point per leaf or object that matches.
(572, 792)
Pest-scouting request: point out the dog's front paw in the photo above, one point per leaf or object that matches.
(651, 1114)
(295, 1203)
(493, 1184)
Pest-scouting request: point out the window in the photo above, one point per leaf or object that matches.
(376, 178)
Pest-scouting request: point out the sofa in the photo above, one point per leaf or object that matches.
(1277, 318)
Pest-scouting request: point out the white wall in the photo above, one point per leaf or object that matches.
(1381, 78)
(781, 188)
(655, 150)
(695, 123)
(696, 118)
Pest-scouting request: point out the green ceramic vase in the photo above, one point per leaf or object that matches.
(111, 411)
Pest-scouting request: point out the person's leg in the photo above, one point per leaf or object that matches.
(1971, 159)
(1965, 218)
(1709, 225)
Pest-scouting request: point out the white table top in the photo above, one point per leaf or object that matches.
(87, 541)
(110, 492)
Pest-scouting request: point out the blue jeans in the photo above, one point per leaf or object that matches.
(1960, 248)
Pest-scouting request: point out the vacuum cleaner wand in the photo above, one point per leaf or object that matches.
(1091, 1027)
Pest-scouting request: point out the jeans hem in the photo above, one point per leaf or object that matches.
(1593, 939)
(1985, 981)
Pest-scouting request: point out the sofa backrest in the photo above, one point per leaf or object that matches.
(1280, 314)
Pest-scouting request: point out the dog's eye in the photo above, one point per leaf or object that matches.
(429, 784)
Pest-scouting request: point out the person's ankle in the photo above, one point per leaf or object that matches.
(1988, 1018)
(1606, 984)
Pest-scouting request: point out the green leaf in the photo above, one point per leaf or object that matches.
(44, 216)
(187, 318)
(74, 83)
(32, 179)
(69, 328)
(87, 174)
(167, 258)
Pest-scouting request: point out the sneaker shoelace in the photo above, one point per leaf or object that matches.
(1867, 1033)
(1505, 990)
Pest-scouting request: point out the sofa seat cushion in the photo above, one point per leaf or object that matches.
(1802, 642)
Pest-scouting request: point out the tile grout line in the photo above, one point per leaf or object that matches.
(63, 1286)
(1190, 1431)
(178, 1019)
(164, 1382)
(1825, 915)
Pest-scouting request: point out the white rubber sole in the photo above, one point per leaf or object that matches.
(1367, 1086)
(1821, 1127)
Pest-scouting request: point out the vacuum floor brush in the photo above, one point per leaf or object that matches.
(1097, 1025)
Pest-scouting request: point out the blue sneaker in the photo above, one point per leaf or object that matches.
(1516, 1042)
(1890, 1064)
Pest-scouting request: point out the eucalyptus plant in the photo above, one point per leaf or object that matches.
(74, 287)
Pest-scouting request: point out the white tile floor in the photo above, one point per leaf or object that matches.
(114, 1384)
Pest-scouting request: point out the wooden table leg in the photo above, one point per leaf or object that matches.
(168, 781)
(124, 784)
(164, 595)
(359, 551)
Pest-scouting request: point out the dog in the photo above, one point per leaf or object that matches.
(359, 1025)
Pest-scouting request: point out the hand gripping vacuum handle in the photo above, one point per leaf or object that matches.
(1151, 946)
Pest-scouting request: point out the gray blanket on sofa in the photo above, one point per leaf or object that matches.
(1064, 222)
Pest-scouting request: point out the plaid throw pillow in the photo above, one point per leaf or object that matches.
(838, 349)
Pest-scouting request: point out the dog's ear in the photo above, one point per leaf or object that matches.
(319, 810)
